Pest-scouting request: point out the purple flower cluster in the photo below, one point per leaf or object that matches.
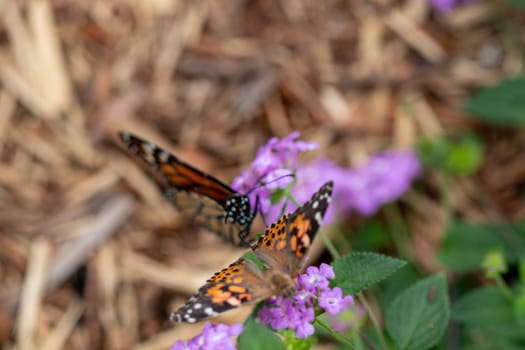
(298, 312)
(273, 165)
(213, 336)
(384, 178)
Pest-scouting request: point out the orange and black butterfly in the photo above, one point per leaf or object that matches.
(281, 249)
(205, 200)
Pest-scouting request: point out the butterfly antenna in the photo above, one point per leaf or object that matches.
(262, 184)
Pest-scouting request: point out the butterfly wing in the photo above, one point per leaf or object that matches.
(239, 284)
(282, 249)
(285, 242)
(205, 200)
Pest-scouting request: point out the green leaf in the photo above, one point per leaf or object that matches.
(278, 194)
(249, 255)
(502, 104)
(519, 308)
(459, 154)
(390, 288)
(518, 3)
(294, 343)
(487, 309)
(521, 270)
(257, 337)
(418, 317)
(465, 245)
(357, 271)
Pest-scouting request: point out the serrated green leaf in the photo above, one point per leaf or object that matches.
(357, 271)
(257, 337)
(502, 104)
(465, 245)
(418, 317)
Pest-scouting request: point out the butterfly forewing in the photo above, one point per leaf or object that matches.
(285, 245)
(201, 197)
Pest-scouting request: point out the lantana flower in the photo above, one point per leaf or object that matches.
(213, 336)
(273, 165)
(363, 189)
(298, 312)
(352, 317)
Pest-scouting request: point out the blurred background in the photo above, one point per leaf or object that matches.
(91, 254)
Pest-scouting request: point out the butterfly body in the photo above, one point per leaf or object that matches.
(282, 250)
(204, 199)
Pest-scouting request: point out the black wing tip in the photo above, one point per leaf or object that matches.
(325, 190)
(327, 187)
(125, 136)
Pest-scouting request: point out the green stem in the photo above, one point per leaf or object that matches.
(329, 245)
(334, 334)
(505, 290)
(445, 188)
(292, 199)
(373, 319)
(398, 229)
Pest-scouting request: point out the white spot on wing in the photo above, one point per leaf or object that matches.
(163, 156)
(318, 218)
(209, 311)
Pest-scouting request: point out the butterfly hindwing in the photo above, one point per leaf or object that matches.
(205, 200)
(238, 284)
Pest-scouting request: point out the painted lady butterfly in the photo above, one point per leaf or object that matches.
(281, 249)
(205, 200)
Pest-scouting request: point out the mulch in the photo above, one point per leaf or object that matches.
(91, 254)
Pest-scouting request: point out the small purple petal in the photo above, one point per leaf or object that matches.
(179, 345)
(327, 270)
(304, 330)
(213, 336)
(269, 170)
(332, 301)
(313, 280)
(350, 317)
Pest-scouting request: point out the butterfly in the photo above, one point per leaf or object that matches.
(281, 249)
(205, 200)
